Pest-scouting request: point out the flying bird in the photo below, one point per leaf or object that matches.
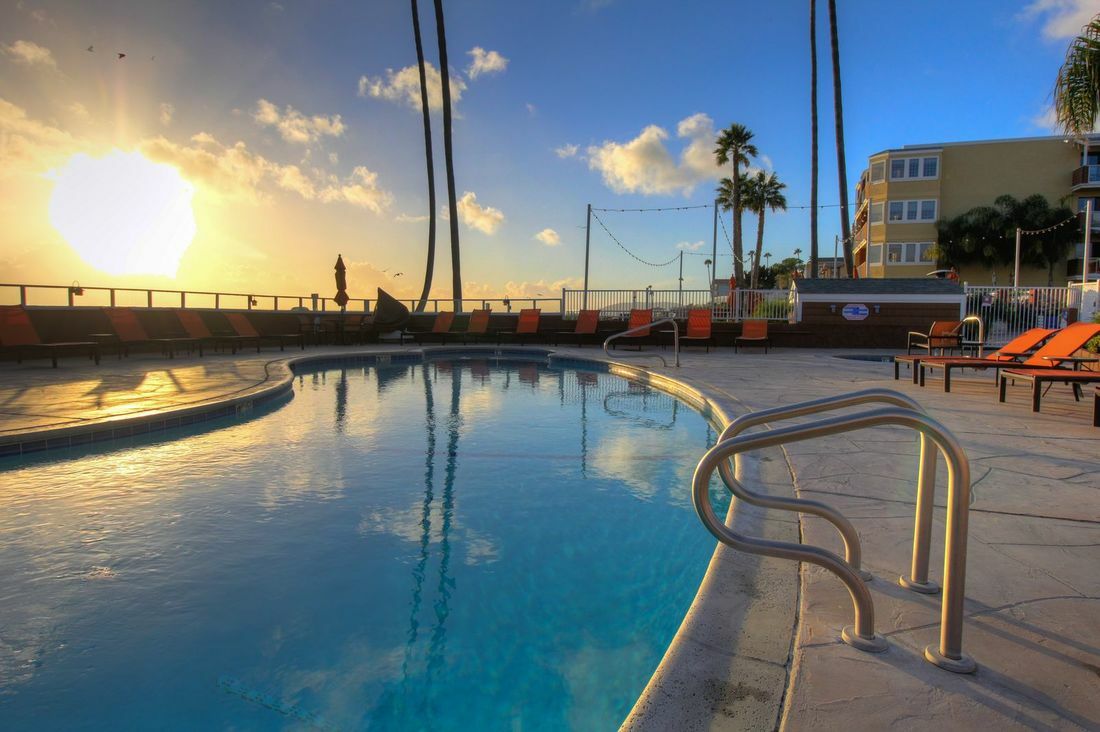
(91, 49)
(398, 275)
(121, 56)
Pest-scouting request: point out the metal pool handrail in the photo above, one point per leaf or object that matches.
(926, 481)
(981, 331)
(647, 326)
(861, 634)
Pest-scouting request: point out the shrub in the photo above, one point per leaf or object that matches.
(775, 308)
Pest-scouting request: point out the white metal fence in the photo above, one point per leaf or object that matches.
(748, 304)
(1009, 311)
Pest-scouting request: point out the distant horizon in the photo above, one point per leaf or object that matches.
(278, 136)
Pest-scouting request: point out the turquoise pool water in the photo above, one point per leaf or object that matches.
(450, 545)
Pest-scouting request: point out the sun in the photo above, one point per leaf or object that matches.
(123, 213)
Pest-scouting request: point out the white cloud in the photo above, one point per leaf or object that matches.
(689, 246)
(514, 290)
(476, 216)
(531, 109)
(166, 113)
(566, 151)
(27, 145)
(404, 87)
(238, 172)
(485, 62)
(29, 53)
(1063, 18)
(767, 161)
(645, 165)
(332, 158)
(404, 218)
(549, 237)
(293, 126)
(79, 112)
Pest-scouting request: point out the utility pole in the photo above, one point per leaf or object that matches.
(587, 240)
(1016, 271)
(1088, 242)
(836, 239)
(714, 250)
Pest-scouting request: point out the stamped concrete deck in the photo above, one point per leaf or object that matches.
(761, 644)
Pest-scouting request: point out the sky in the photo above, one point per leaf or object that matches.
(292, 132)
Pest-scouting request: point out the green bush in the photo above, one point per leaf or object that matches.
(774, 308)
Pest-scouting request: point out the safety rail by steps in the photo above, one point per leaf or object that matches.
(980, 343)
(647, 326)
(861, 634)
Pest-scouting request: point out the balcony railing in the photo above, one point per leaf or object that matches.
(1087, 175)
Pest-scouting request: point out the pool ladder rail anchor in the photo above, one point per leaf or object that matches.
(646, 327)
(903, 412)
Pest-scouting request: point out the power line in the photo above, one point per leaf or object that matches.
(623, 247)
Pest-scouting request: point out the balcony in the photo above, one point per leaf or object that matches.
(1086, 175)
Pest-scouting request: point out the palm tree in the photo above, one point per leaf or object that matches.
(813, 138)
(430, 268)
(448, 154)
(762, 192)
(1077, 89)
(734, 145)
(841, 169)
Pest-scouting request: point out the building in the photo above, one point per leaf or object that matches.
(905, 191)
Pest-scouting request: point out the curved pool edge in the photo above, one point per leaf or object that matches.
(727, 664)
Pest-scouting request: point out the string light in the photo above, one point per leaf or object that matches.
(632, 254)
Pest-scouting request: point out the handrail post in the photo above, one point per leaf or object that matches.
(918, 581)
(149, 298)
(23, 295)
(183, 299)
(218, 301)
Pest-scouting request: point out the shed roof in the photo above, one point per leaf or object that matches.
(882, 286)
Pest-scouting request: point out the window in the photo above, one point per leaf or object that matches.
(874, 254)
(878, 172)
(876, 213)
(914, 168)
(909, 252)
(912, 212)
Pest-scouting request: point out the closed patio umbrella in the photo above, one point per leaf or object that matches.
(341, 283)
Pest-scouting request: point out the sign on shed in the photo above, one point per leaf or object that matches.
(855, 312)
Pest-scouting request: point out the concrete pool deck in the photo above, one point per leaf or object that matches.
(766, 653)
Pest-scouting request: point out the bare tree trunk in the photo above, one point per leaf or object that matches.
(759, 250)
(841, 168)
(448, 154)
(738, 263)
(430, 267)
(813, 139)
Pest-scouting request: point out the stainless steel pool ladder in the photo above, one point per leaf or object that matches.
(981, 333)
(905, 413)
(647, 326)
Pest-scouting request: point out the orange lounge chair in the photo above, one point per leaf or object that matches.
(526, 327)
(1011, 352)
(944, 334)
(196, 328)
(476, 327)
(1047, 365)
(244, 328)
(698, 329)
(440, 327)
(638, 319)
(588, 322)
(130, 332)
(753, 333)
(18, 335)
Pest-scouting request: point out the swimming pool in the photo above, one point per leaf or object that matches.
(451, 544)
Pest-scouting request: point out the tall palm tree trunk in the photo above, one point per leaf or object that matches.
(841, 170)
(738, 263)
(429, 269)
(813, 138)
(759, 249)
(445, 74)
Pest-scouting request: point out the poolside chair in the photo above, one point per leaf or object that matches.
(440, 327)
(1050, 367)
(638, 319)
(698, 331)
(18, 336)
(1011, 352)
(130, 332)
(753, 333)
(943, 335)
(196, 328)
(243, 327)
(477, 327)
(526, 327)
(588, 323)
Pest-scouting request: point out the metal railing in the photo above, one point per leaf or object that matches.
(497, 304)
(1009, 311)
(754, 304)
(77, 295)
(646, 327)
(861, 634)
(970, 342)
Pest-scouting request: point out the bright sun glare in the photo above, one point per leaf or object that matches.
(123, 213)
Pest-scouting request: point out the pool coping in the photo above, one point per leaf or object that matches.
(698, 683)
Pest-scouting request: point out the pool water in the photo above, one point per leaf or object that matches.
(445, 545)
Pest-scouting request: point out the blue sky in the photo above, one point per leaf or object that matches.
(291, 120)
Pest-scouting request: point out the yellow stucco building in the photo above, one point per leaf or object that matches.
(904, 191)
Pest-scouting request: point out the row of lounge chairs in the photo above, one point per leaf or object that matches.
(1040, 356)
